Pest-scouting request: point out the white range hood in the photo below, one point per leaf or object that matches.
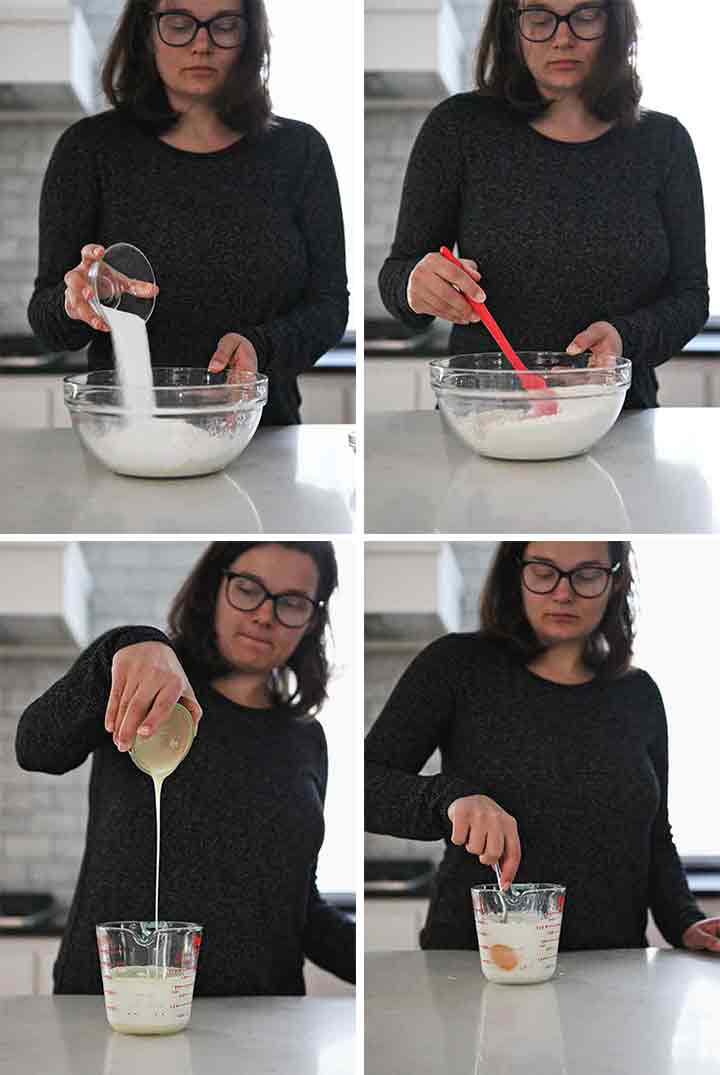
(413, 590)
(44, 597)
(48, 60)
(413, 48)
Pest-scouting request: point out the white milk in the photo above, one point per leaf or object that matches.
(509, 433)
(148, 1000)
(523, 949)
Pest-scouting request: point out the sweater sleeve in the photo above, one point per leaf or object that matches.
(293, 342)
(671, 901)
(656, 332)
(429, 209)
(329, 935)
(69, 219)
(58, 731)
(414, 722)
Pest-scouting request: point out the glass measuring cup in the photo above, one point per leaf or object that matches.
(159, 754)
(112, 278)
(148, 974)
(518, 931)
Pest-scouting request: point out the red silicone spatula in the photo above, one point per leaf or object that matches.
(527, 379)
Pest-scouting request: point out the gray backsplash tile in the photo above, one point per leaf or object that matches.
(43, 816)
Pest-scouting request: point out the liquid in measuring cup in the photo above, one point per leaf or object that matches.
(149, 999)
(522, 946)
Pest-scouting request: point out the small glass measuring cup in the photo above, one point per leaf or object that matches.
(159, 754)
(148, 974)
(518, 931)
(112, 279)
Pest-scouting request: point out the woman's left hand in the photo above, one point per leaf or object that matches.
(703, 935)
(602, 339)
(234, 352)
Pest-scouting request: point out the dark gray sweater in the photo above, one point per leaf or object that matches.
(242, 825)
(564, 234)
(583, 769)
(248, 239)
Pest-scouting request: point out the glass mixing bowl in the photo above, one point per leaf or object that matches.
(483, 402)
(196, 423)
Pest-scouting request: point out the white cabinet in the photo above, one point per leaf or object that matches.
(393, 384)
(394, 924)
(26, 965)
(37, 402)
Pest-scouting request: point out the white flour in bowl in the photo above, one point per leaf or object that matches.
(148, 445)
(512, 433)
(171, 447)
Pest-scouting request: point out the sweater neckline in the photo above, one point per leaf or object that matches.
(574, 146)
(215, 154)
(253, 711)
(560, 686)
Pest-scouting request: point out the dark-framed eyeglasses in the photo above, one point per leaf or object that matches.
(586, 580)
(588, 22)
(178, 28)
(246, 593)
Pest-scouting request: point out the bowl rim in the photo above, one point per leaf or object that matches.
(250, 378)
(622, 364)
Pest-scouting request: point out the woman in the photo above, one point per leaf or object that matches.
(242, 816)
(554, 755)
(236, 209)
(582, 215)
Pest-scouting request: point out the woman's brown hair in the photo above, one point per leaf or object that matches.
(611, 92)
(302, 684)
(608, 650)
(131, 82)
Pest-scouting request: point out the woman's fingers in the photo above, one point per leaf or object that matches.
(139, 706)
(188, 699)
(160, 709)
(433, 288)
(77, 295)
(511, 856)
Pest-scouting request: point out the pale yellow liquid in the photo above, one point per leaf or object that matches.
(148, 1000)
(158, 756)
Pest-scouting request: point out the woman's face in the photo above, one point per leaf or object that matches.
(561, 65)
(198, 70)
(256, 641)
(562, 616)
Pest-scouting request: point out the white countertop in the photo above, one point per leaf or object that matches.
(291, 479)
(226, 1036)
(635, 1012)
(656, 471)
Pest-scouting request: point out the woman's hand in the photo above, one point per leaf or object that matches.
(602, 339)
(488, 832)
(433, 288)
(703, 935)
(147, 681)
(236, 352)
(78, 289)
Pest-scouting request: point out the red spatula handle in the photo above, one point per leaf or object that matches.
(527, 379)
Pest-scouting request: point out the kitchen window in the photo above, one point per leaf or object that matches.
(314, 77)
(676, 644)
(677, 54)
(342, 723)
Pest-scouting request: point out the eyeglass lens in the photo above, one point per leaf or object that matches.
(292, 610)
(178, 28)
(585, 581)
(540, 24)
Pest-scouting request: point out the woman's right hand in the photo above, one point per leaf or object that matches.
(434, 286)
(78, 289)
(487, 831)
(147, 681)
